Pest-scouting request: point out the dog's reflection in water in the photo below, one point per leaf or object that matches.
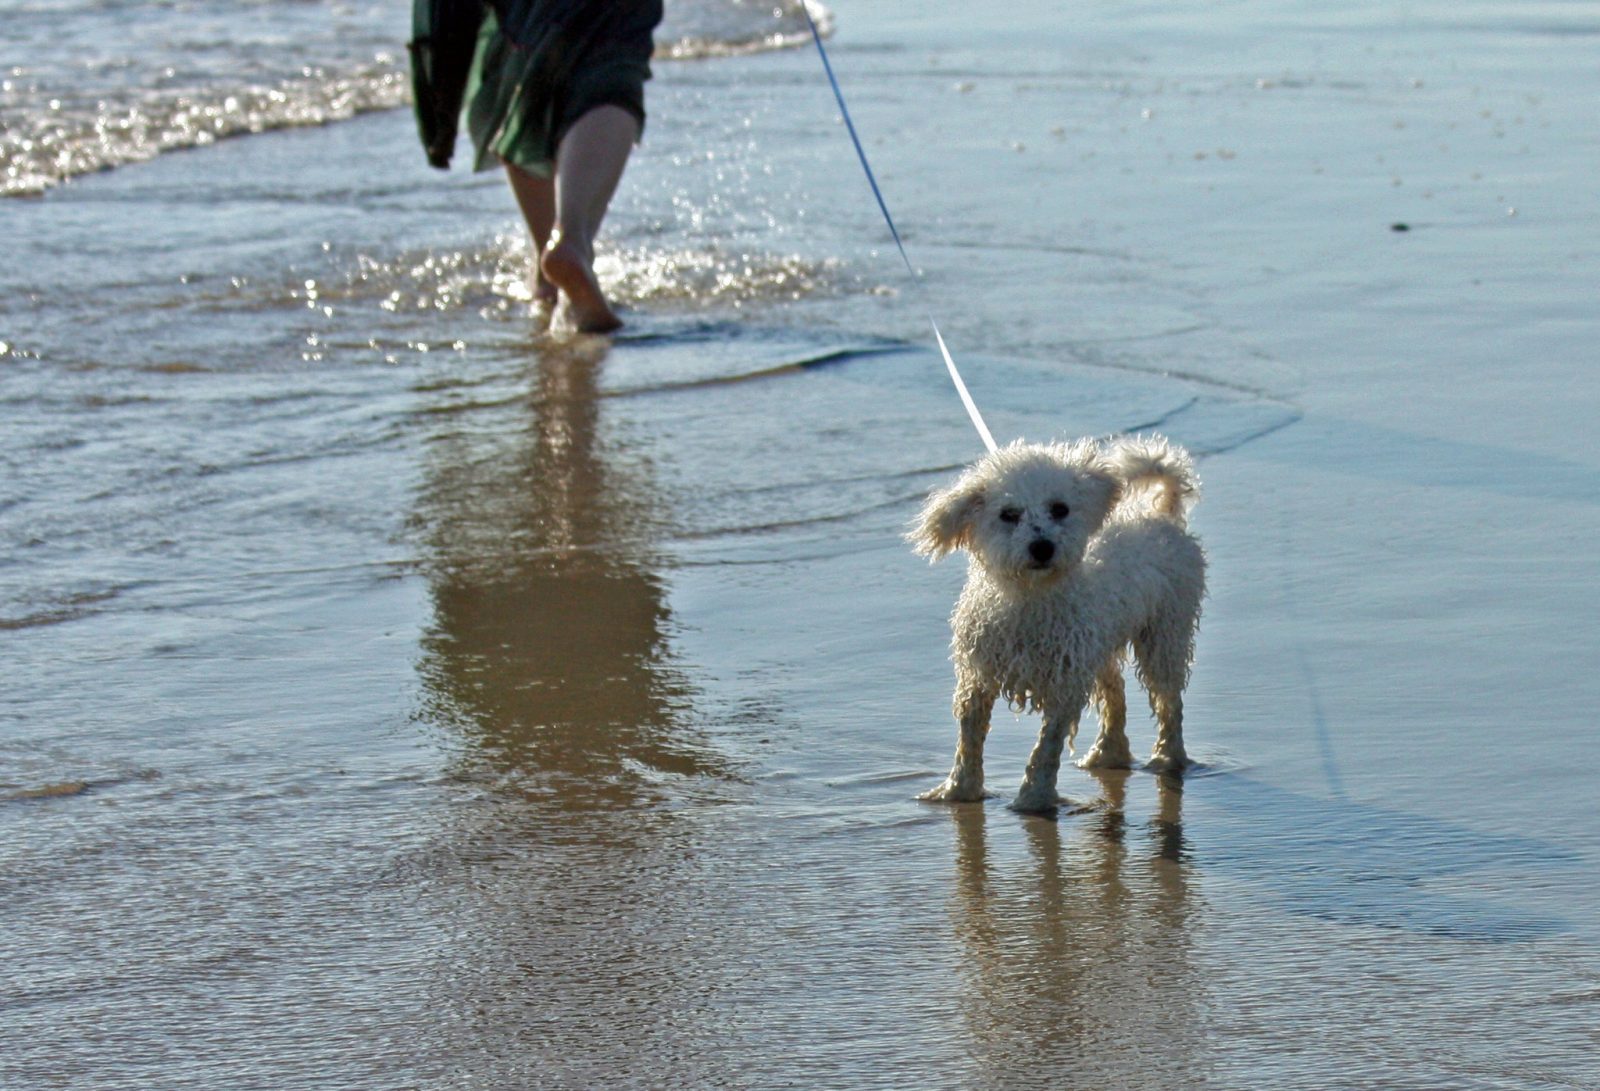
(1078, 948)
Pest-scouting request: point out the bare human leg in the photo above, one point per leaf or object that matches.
(589, 164)
(537, 198)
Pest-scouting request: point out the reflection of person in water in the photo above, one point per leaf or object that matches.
(549, 640)
(547, 670)
(1078, 958)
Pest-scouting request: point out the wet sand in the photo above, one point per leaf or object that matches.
(402, 698)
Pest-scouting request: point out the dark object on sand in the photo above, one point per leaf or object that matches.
(1399, 227)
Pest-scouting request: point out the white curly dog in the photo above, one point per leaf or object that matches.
(1077, 552)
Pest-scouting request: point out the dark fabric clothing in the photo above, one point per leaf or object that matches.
(537, 66)
(444, 42)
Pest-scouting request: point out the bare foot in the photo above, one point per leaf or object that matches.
(545, 294)
(545, 297)
(566, 267)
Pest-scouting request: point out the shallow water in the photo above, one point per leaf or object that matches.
(91, 85)
(399, 697)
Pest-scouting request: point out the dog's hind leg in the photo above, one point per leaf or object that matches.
(1038, 792)
(1168, 755)
(1163, 658)
(1110, 750)
(973, 706)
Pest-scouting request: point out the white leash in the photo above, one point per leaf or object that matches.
(949, 363)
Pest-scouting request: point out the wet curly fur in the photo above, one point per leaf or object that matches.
(1079, 552)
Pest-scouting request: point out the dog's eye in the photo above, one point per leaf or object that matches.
(1059, 511)
(1011, 515)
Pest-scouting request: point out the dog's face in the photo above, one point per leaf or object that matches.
(1025, 513)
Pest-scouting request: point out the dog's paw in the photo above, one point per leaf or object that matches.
(1110, 758)
(953, 791)
(1031, 801)
(1168, 761)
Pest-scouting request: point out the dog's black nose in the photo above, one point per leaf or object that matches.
(1041, 550)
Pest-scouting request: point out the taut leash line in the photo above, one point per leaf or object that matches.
(861, 154)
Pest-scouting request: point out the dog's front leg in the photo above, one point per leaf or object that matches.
(965, 782)
(1038, 792)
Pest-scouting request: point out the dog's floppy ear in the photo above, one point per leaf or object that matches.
(947, 519)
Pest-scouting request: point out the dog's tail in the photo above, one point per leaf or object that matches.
(1156, 476)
